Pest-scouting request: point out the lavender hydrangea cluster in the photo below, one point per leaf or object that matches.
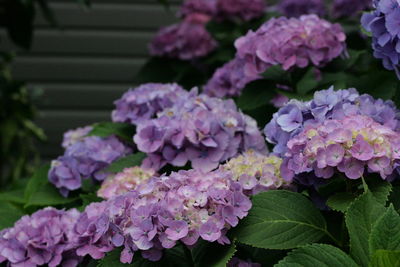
(76, 135)
(383, 23)
(44, 238)
(85, 159)
(186, 40)
(144, 102)
(256, 172)
(221, 10)
(349, 145)
(236, 262)
(349, 8)
(185, 206)
(297, 8)
(297, 42)
(291, 119)
(202, 130)
(125, 181)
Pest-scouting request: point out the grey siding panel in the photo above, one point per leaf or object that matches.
(36, 69)
(86, 42)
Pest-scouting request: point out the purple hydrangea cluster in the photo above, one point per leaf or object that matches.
(184, 206)
(76, 135)
(198, 129)
(383, 23)
(186, 40)
(291, 119)
(349, 8)
(229, 80)
(256, 172)
(144, 102)
(297, 8)
(125, 181)
(236, 262)
(85, 159)
(349, 145)
(297, 42)
(221, 10)
(44, 238)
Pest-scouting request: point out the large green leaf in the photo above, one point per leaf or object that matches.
(256, 94)
(317, 255)
(340, 201)
(281, 220)
(384, 258)
(106, 129)
(385, 233)
(48, 195)
(360, 217)
(308, 82)
(14, 196)
(212, 254)
(9, 214)
(38, 179)
(126, 162)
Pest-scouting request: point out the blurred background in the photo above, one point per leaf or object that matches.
(77, 66)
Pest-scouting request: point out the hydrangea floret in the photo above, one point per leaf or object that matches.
(123, 182)
(350, 145)
(202, 130)
(76, 135)
(144, 102)
(256, 172)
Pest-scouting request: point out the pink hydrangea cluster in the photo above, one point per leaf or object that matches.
(125, 181)
(351, 145)
(185, 206)
(45, 237)
(76, 135)
(298, 42)
(202, 130)
(256, 172)
(143, 103)
(186, 40)
(221, 10)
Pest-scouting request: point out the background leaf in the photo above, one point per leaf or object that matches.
(126, 162)
(256, 94)
(317, 255)
(9, 214)
(281, 220)
(106, 129)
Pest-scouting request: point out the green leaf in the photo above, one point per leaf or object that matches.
(307, 83)
(341, 201)
(38, 179)
(394, 198)
(256, 94)
(360, 217)
(87, 199)
(281, 220)
(212, 254)
(380, 190)
(112, 259)
(385, 233)
(317, 255)
(14, 196)
(126, 162)
(384, 258)
(277, 74)
(48, 195)
(9, 214)
(106, 129)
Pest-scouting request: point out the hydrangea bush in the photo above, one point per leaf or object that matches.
(285, 153)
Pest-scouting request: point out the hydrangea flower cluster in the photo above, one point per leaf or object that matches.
(76, 135)
(123, 182)
(45, 237)
(291, 119)
(184, 206)
(236, 262)
(297, 42)
(383, 23)
(225, 9)
(200, 129)
(186, 40)
(349, 8)
(144, 102)
(85, 159)
(296, 8)
(256, 172)
(349, 145)
(229, 80)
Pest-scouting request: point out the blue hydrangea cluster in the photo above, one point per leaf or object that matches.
(384, 25)
(144, 102)
(85, 159)
(183, 207)
(291, 119)
(46, 237)
(202, 130)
